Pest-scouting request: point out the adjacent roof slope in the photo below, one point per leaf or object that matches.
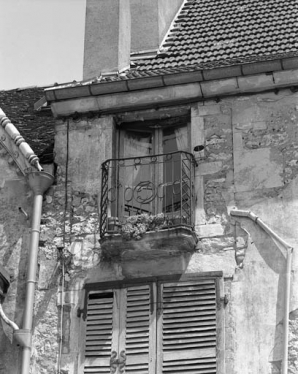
(37, 128)
(215, 33)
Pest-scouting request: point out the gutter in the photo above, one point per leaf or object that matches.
(289, 249)
(39, 181)
(13, 135)
(156, 78)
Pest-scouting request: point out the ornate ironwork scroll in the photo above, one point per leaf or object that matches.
(152, 184)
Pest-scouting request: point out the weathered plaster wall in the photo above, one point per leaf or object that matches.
(249, 162)
(14, 238)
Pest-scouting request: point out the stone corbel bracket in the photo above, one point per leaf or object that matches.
(19, 150)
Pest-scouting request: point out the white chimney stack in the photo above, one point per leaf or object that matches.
(107, 37)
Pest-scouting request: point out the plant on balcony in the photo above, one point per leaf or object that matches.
(136, 226)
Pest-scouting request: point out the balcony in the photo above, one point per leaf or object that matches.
(148, 203)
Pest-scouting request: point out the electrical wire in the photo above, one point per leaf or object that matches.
(61, 255)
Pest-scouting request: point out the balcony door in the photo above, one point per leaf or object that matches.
(150, 177)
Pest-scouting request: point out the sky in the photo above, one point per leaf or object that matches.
(41, 42)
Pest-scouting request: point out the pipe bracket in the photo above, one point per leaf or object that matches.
(23, 337)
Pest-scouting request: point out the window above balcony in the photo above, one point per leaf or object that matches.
(149, 187)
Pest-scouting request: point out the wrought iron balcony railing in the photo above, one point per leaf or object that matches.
(157, 185)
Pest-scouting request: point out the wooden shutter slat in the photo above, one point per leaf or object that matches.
(101, 303)
(139, 331)
(190, 310)
(137, 336)
(200, 296)
(199, 290)
(141, 322)
(138, 297)
(97, 328)
(199, 318)
(188, 340)
(141, 346)
(99, 370)
(186, 335)
(191, 354)
(184, 365)
(98, 322)
(195, 370)
(133, 370)
(188, 304)
(139, 289)
(188, 285)
(98, 347)
(198, 328)
(135, 307)
(95, 337)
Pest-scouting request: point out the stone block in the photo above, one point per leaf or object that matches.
(208, 231)
(193, 76)
(261, 81)
(261, 67)
(47, 274)
(139, 84)
(216, 88)
(200, 216)
(206, 168)
(286, 77)
(260, 125)
(290, 63)
(197, 129)
(223, 261)
(245, 115)
(256, 169)
(214, 245)
(225, 72)
(208, 110)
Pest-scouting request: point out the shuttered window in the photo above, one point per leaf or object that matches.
(101, 328)
(159, 327)
(187, 327)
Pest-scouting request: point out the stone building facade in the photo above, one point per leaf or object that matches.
(241, 120)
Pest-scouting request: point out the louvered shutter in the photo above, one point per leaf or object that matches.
(187, 327)
(139, 328)
(102, 330)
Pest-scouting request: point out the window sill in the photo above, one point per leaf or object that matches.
(154, 244)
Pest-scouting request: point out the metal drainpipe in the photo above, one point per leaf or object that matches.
(289, 249)
(39, 182)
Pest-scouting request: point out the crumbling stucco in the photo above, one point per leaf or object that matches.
(249, 162)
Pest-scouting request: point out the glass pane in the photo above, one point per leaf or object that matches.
(136, 176)
(174, 139)
(137, 143)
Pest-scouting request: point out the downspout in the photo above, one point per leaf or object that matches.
(39, 181)
(289, 249)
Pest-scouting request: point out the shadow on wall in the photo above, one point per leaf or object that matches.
(14, 235)
(274, 256)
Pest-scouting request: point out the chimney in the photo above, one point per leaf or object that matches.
(107, 37)
(150, 21)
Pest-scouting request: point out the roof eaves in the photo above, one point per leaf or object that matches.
(162, 77)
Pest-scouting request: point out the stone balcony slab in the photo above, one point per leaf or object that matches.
(154, 244)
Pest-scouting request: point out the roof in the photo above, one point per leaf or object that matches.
(217, 33)
(37, 128)
(256, 36)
